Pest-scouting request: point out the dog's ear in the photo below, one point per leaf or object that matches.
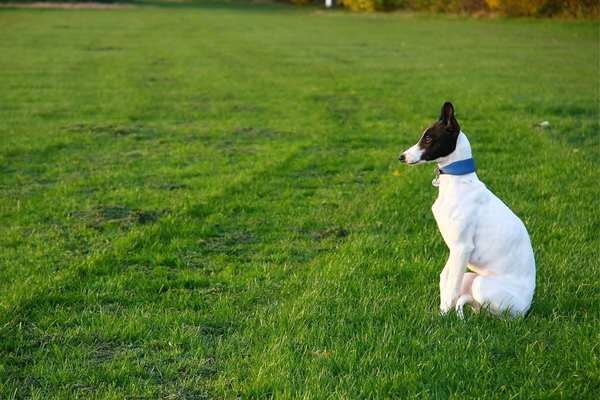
(447, 118)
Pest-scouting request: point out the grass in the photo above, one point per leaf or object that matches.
(205, 202)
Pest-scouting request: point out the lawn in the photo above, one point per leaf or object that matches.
(204, 201)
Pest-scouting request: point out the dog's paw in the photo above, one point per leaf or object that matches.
(444, 310)
(446, 305)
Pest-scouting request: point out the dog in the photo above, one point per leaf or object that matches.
(481, 232)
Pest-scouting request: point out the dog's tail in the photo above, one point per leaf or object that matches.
(462, 300)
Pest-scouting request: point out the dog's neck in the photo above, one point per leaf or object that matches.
(461, 152)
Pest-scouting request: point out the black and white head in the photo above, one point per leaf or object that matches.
(439, 140)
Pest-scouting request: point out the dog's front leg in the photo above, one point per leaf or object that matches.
(443, 280)
(452, 276)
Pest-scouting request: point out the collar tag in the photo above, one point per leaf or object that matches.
(436, 181)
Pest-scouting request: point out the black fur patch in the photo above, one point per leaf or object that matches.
(439, 139)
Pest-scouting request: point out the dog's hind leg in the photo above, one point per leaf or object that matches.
(466, 296)
(498, 295)
(462, 300)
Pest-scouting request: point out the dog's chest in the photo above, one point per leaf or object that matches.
(456, 212)
(450, 218)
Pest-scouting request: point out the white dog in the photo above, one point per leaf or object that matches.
(482, 233)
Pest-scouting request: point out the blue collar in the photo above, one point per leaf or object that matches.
(461, 167)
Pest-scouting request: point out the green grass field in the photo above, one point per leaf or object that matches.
(204, 201)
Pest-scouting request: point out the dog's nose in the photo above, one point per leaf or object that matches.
(402, 158)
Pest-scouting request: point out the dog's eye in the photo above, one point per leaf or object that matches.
(427, 138)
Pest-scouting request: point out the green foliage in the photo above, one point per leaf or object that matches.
(205, 202)
(538, 8)
(575, 8)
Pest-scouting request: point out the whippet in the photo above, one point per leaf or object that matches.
(481, 232)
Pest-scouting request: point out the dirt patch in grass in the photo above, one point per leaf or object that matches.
(116, 215)
(137, 131)
(334, 232)
(173, 186)
(104, 351)
(243, 140)
(340, 107)
(254, 135)
(247, 108)
(65, 6)
(226, 242)
(250, 133)
(102, 48)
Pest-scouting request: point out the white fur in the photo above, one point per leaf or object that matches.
(486, 237)
(413, 154)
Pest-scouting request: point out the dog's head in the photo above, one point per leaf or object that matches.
(439, 140)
